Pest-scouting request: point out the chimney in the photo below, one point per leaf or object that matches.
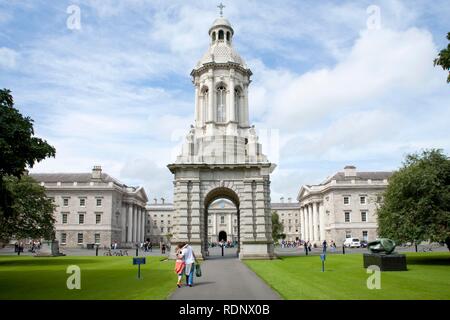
(162, 200)
(282, 199)
(289, 199)
(156, 200)
(350, 171)
(97, 172)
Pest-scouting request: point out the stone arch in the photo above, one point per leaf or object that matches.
(220, 190)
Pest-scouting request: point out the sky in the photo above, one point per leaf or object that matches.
(334, 83)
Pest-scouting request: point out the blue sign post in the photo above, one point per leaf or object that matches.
(323, 256)
(139, 261)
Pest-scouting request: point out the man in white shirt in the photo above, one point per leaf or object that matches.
(189, 258)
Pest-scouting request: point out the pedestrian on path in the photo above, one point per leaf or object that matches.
(189, 259)
(179, 264)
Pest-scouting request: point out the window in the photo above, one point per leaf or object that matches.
(97, 238)
(82, 202)
(80, 238)
(347, 216)
(296, 221)
(228, 36)
(162, 229)
(282, 221)
(65, 202)
(214, 36)
(222, 219)
(365, 235)
(362, 199)
(237, 103)
(209, 220)
(346, 200)
(155, 216)
(348, 234)
(63, 238)
(221, 103)
(99, 202)
(64, 218)
(98, 218)
(364, 216)
(162, 221)
(289, 221)
(81, 218)
(168, 222)
(220, 34)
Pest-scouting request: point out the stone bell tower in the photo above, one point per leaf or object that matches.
(221, 157)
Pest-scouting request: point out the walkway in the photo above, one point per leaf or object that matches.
(226, 278)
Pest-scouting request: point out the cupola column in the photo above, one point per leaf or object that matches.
(245, 120)
(197, 107)
(211, 98)
(231, 109)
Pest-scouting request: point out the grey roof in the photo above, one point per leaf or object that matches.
(71, 177)
(375, 175)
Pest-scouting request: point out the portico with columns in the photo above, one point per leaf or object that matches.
(134, 219)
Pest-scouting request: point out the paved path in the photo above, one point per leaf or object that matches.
(226, 279)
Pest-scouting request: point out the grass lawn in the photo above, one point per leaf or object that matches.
(101, 278)
(428, 277)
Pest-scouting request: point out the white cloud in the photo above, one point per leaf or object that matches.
(7, 58)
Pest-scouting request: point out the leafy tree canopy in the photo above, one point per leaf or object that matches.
(443, 58)
(277, 227)
(416, 204)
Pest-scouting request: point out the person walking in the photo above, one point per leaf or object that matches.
(179, 264)
(324, 246)
(189, 259)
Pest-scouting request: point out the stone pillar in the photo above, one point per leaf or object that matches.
(314, 221)
(302, 224)
(231, 111)
(130, 223)
(139, 224)
(306, 214)
(211, 92)
(310, 220)
(134, 223)
(123, 222)
(214, 228)
(322, 221)
(197, 106)
(245, 118)
(144, 223)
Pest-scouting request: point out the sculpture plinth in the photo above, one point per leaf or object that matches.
(386, 262)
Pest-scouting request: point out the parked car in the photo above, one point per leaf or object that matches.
(352, 243)
(363, 244)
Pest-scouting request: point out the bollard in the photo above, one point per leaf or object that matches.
(222, 250)
(343, 249)
(96, 251)
(137, 252)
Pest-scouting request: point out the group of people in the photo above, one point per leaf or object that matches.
(185, 263)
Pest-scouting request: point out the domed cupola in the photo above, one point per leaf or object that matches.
(221, 45)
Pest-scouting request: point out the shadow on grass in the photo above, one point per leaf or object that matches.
(443, 260)
(41, 261)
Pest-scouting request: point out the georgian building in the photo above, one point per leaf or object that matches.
(343, 206)
(95, 208)
(289, 215)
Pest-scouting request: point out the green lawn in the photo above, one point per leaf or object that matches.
(101, 278)
(428, 277)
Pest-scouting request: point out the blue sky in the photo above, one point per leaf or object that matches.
(331, 90)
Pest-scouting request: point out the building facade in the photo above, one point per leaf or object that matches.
(343, 206)
(95, 208)
(289, 216)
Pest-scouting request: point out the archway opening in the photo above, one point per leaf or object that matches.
(221, 224)
(222, 236)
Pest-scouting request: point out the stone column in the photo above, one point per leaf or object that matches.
(134, 223)
(139, 224)
(144, 223)
(245, 117)
(311, 221)
(322, 221)
(314, 221)
(214, 228)
(123, 220)
(130, 223)
(211, 98)
(231, 110)
(302, 224)
(197, 106)
(306, 214)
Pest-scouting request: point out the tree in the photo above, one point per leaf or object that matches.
(443, 58)
(416, 204)
(19, 150)
(33, 210)
(277, 227)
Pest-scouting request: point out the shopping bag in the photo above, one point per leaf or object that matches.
(198, 270)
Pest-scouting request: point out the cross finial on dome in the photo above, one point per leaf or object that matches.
(221, 6)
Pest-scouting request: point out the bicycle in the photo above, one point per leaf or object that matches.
(107, 253)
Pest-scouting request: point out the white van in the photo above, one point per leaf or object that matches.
(352, 243)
